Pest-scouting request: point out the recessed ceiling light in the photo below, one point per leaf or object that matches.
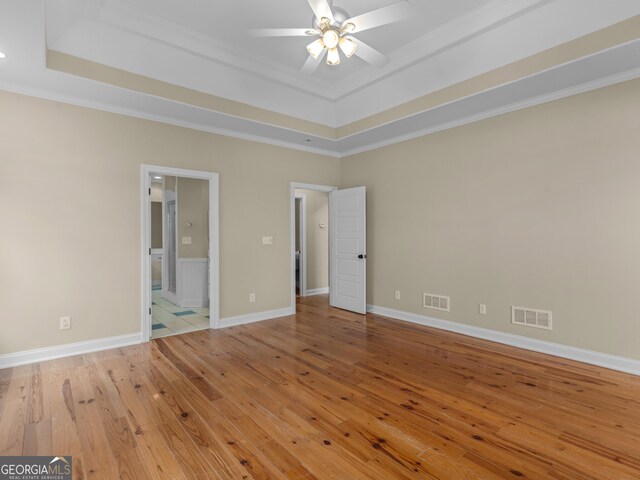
(158, 178)
(2, 55)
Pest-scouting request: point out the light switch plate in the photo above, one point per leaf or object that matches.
(482, 309)
(267, 240)
(186, 240)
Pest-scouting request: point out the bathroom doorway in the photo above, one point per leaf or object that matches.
(180, 256)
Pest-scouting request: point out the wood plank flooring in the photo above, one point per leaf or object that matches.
(324, 394)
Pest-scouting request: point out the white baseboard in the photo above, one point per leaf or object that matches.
(317, 291)
(622, 364)
(256, 317)
(68, 350)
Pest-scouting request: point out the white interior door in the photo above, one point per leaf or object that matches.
(348, 249)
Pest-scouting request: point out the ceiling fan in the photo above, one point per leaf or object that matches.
(335, 28)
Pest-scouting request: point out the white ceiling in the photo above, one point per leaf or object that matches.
(205, 46)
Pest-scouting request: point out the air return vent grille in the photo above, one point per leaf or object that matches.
(437, 302)
(531, 317)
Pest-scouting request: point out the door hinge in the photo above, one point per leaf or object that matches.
(149, 192)
(149, 251)
(149, 310)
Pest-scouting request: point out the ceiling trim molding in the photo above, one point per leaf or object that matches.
(332, 146)
(580, 48)
(540, 100)
(106, 107)
(594, 43)
(79, 67)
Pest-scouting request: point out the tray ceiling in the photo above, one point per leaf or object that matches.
(205, 48)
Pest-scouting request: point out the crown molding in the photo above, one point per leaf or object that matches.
(81, 68)
(568, 92)
(490, 52)
(52, 95)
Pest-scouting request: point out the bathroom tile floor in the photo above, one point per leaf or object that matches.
(170, 319)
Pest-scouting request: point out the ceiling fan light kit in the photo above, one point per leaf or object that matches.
(316, 48)
(348, 46)
(330, 39)
(334, 27)
(333, 57)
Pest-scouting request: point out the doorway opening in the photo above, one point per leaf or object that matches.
(347, 247)
(310, 241)
(180, 251)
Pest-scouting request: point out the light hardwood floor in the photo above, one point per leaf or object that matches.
(324, 394)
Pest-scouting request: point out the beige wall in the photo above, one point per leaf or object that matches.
(74, 264)
(317, 212)
(537, 208)
(193, 209)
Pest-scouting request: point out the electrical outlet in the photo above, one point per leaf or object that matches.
(482, 309)
(65, 323)
(252, 297)
(267, 240)
(397, 295)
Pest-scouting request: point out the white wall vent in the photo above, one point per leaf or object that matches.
(437, 302)
(531, 317)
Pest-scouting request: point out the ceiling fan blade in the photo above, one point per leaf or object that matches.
(369, 54)
(321, 9)
(382, 16)
(283, 32)
(312, 64)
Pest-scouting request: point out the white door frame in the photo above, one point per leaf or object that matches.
(303, 186)
(302, 232)
(214, 235)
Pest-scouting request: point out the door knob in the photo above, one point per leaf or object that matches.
(361, 256)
